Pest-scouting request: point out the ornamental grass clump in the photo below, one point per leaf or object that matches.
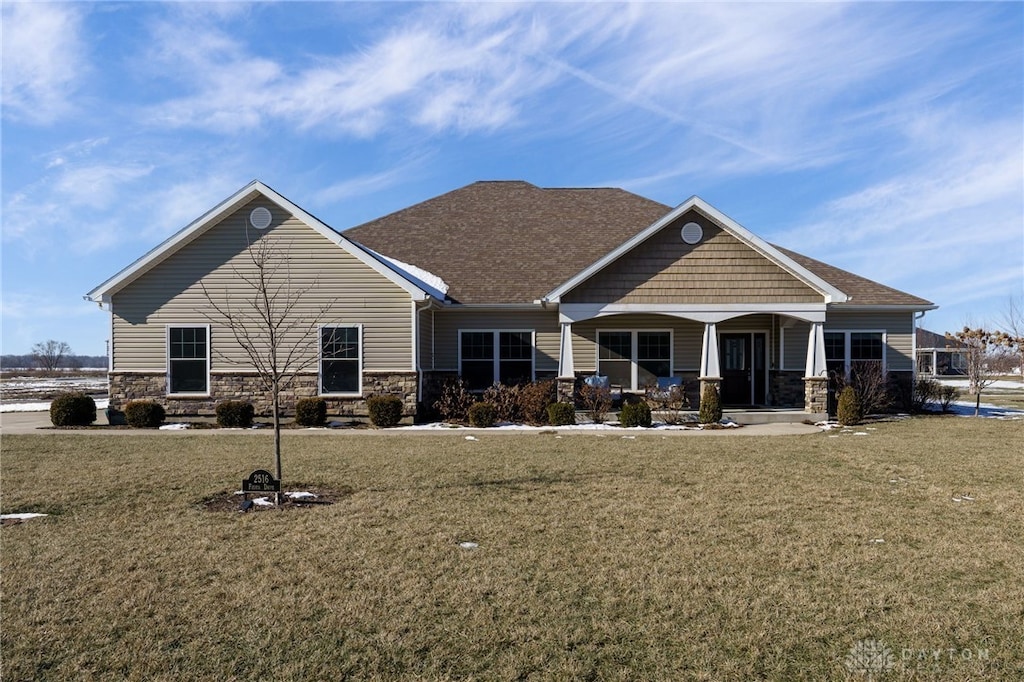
(72, 409)
(710, 405)
(385, 410)
(144, 414)
(235, 414)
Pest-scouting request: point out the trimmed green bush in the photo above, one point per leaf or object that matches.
(72, 409)
(482, 415)
(561, 414)
(710, 406)
(635, 414)
(311, 411)
(235, 414)
(385, 410)
(144, 414)
(848, 411)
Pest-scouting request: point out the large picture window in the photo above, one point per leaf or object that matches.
(340, 360)
(488, 357)
(634, 359)
(188, 359)
(846, 352)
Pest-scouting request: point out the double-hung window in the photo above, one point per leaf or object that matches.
(341, 359)
(188, 359)
(634, 359)
(487, 357)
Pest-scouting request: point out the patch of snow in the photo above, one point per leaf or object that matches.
(174, 427)
(878, 541)
(1000, 384)
(301, 495)
(468, 545)
(263, 502)
(472, 438)
(101, 404)
(23, 516)
(431, 283)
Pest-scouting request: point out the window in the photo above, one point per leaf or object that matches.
(634, 359)
(188, 359)
(340, 360)
(488, 357)
(847, 351)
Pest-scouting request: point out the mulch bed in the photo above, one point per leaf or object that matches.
(228, 501)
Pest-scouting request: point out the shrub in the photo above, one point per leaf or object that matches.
(635, 414)
(482, 415)
(710, 406)
(234, 414)
(311, 411)
(926, 391)
(561, 414)
(72, 409)
(872, 387)
(849, 411)
(671, 403)
(506, 402)
(385, 410)
(144, 414)
(596, 401)
(947, 396)
(455, 400)
(534, 399)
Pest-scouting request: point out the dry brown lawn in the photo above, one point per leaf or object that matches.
(715, 558)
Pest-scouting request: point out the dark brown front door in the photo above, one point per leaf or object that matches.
(742, 357)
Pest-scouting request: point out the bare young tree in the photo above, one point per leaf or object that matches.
(986, 355)
(279, 336)
(48, 355)
(1011, 323)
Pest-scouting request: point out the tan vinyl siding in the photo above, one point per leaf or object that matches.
(331, 278)
(687, 337)
(899, 329)
(719, 269)
(794, 345)
(426, 339)
(447, 324)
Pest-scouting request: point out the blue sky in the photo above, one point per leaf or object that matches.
(886, 139)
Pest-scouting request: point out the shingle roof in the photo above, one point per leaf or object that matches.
(861, 290)
(513, 242)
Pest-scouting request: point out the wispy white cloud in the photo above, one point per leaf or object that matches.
(43, 60)
(365, 184)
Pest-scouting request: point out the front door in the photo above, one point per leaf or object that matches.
(742, 361)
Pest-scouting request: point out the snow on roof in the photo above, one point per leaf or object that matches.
(431, 283)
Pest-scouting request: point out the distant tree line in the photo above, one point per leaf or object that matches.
(51, 356)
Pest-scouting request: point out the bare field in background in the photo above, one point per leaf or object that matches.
(598, 556)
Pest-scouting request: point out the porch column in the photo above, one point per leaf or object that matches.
(566, 381)
(816, 372)
(709, 368)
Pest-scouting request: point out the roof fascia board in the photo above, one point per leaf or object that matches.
(831, 294)
(881, 308)
(198, 226)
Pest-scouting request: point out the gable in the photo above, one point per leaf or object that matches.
(719, 269)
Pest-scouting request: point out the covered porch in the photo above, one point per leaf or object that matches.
(763, 359)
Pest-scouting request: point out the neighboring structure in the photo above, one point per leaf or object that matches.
(938, 356)
(504, 282)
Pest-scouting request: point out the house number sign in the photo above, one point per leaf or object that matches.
(261, 481)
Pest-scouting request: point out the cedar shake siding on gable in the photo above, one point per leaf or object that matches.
(718, 269)
(170, 293)
(509, 242)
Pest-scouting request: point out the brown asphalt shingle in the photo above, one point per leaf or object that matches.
(513, 242)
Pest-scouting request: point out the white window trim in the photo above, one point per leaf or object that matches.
(167, 357)
(846, 345)
(634, 367)
(320, 361)
(497, 349)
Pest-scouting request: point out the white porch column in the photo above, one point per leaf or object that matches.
(709, 366)
(816, 351)
(566, 368)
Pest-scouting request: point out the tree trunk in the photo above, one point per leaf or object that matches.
(977, 404)
(277, 441)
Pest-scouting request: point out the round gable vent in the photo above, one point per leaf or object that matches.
(692, 233)
(260, 218)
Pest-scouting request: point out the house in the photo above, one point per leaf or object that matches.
(503, 282)
(938, 356)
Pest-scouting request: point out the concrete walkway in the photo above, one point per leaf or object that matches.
(38, 423)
